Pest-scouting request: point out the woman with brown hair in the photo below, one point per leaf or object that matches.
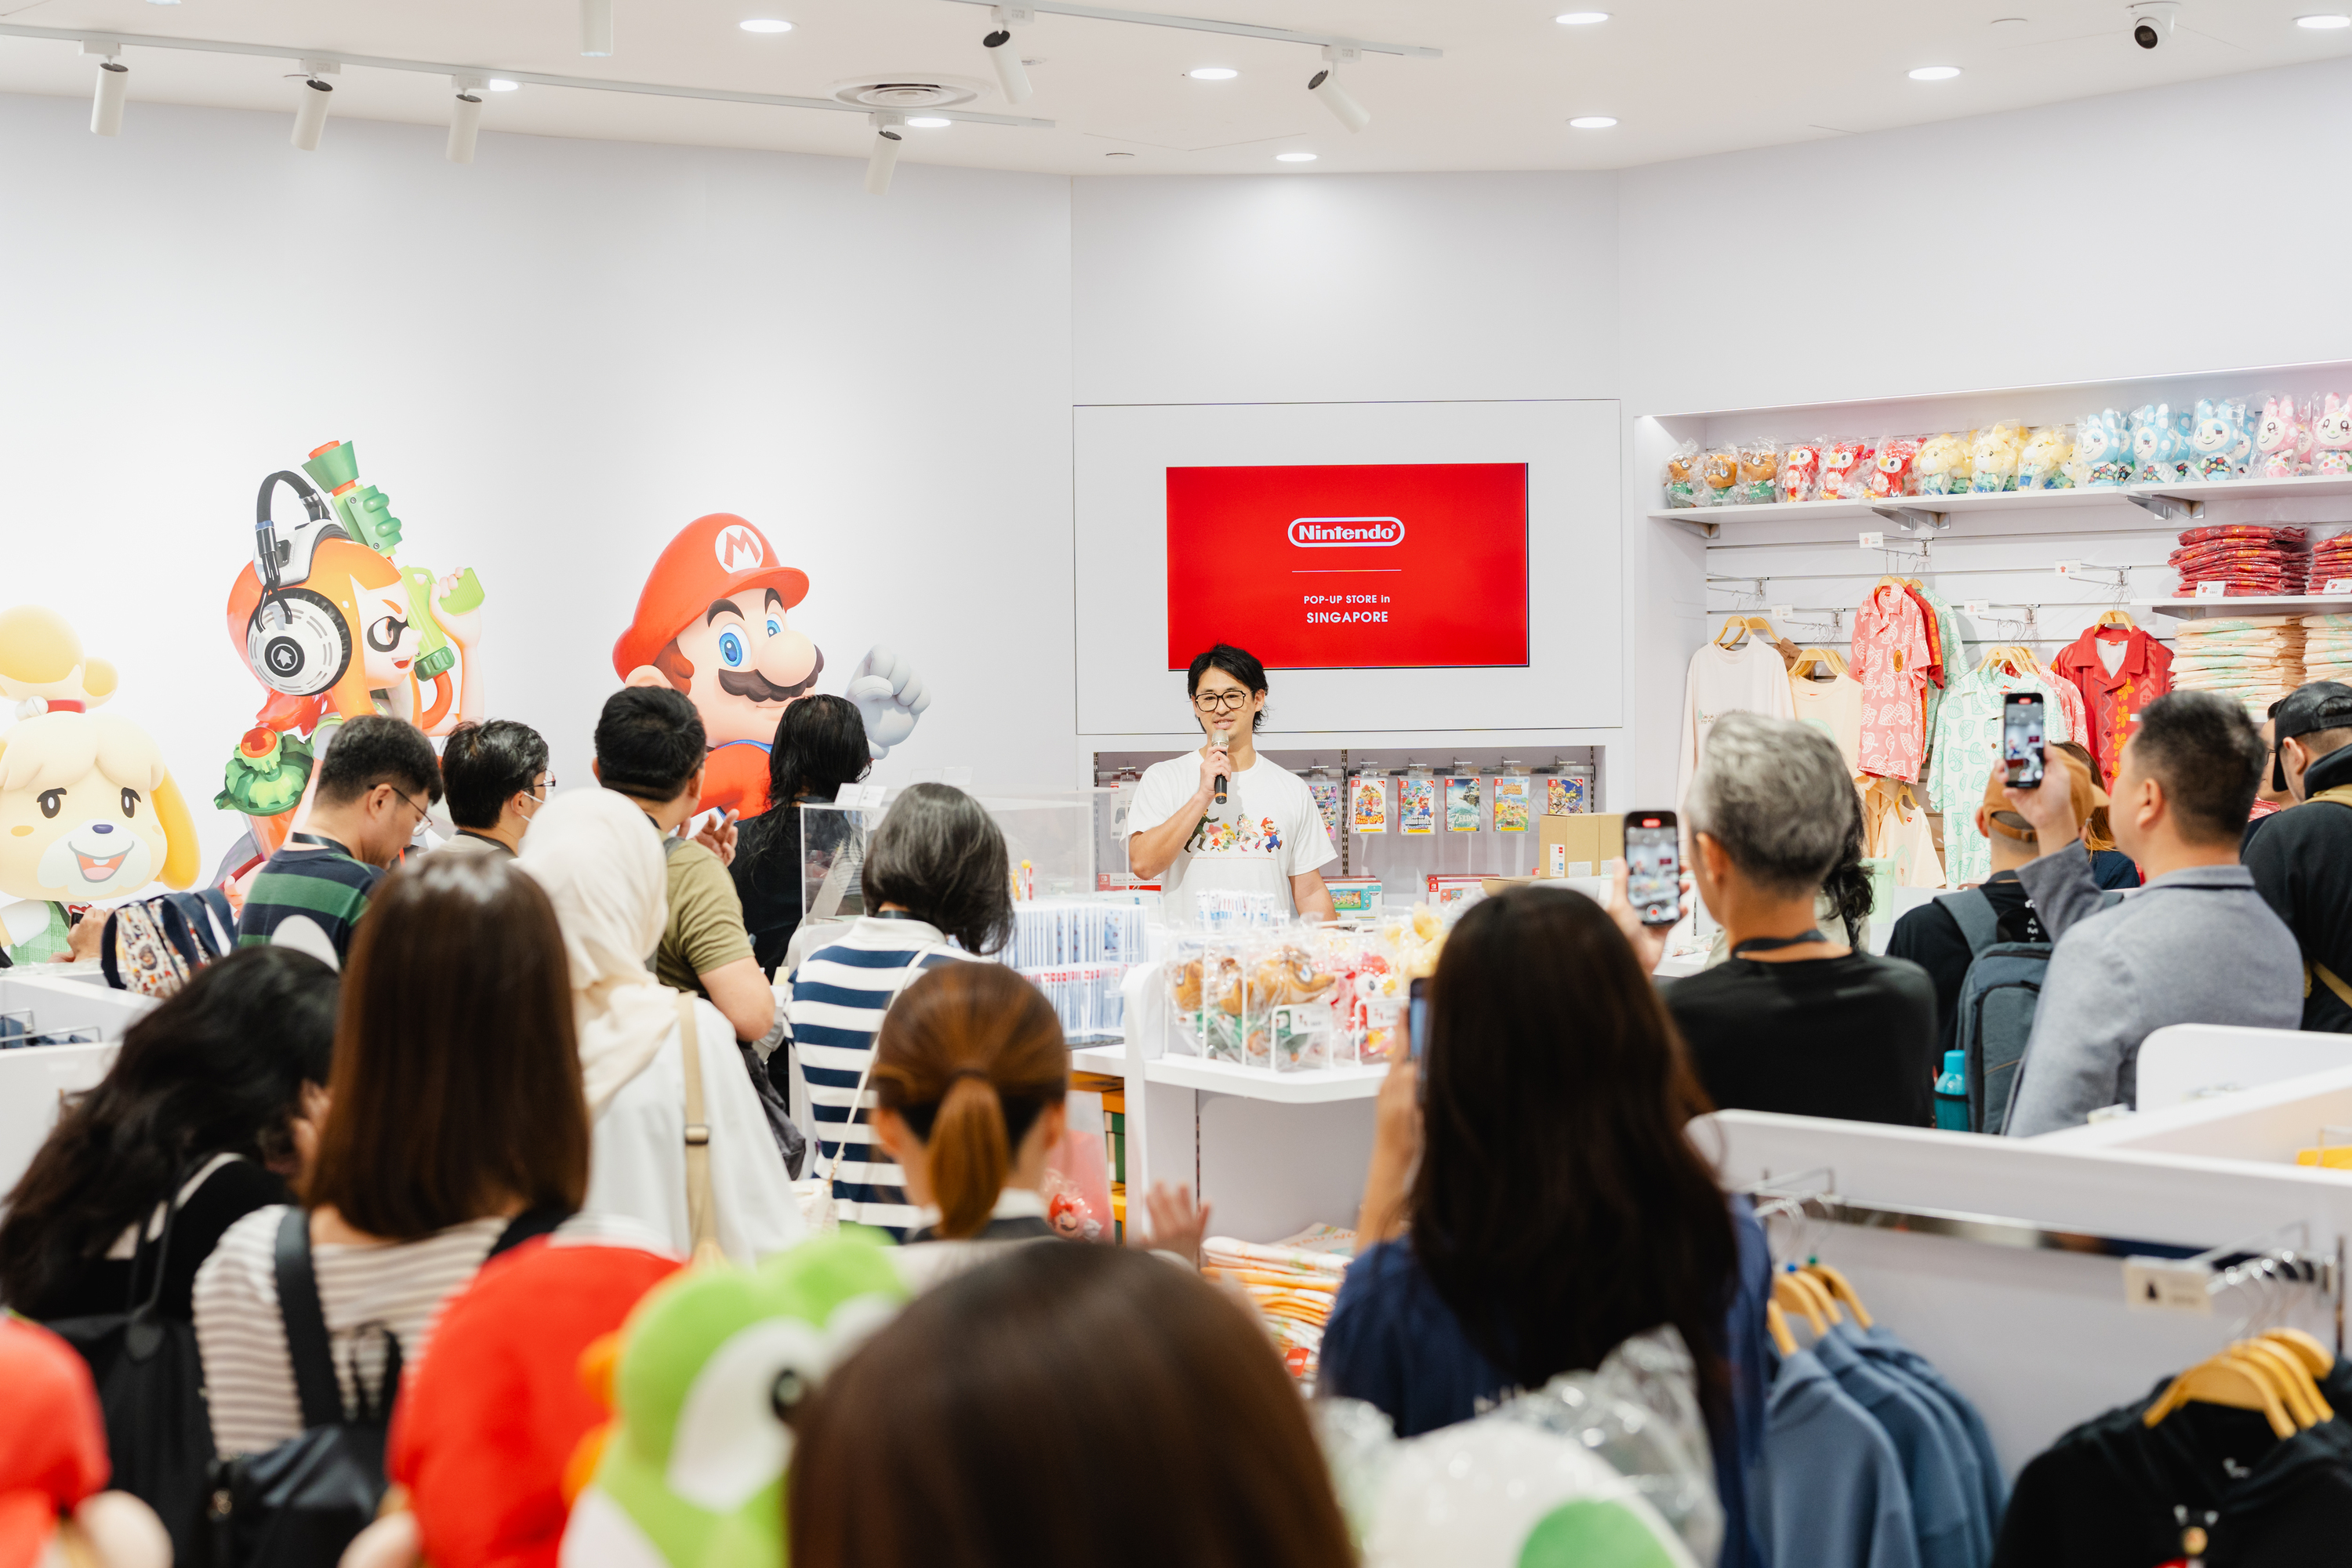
(1059, 1407)
(455, 1106)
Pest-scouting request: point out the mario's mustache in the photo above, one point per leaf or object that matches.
(751, 683)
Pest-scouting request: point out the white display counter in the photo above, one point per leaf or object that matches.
(36, 1079)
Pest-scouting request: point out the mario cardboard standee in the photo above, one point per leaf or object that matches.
(711, 623)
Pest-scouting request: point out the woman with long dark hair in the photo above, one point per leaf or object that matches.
(210, 1096)
(820, 746)
(1554, 1206)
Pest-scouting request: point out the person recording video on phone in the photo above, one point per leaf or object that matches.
(1225, 819)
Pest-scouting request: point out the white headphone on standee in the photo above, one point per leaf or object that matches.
(296, 641)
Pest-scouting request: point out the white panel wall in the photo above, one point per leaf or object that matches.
(549, 361)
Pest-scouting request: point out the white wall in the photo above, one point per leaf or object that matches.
(549, 361)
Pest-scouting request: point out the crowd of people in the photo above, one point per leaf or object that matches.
(571, 1026)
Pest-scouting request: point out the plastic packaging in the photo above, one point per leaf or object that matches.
(1682, 476)
(2046, 463)
(1890, 473)
(2221, 440)
(1941, 467)
(2281, 439)
(1760, 473)
(1993, 458)
(2159, 444)
(1718, 476)
(1801, 471)
(2331, 437)
(2103, 450)
(1846, 469)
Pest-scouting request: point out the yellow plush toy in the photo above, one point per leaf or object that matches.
(1993, 456)
(1942, 464)
(87, 811)
(42, 668)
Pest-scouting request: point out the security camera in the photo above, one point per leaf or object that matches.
(2152, 22)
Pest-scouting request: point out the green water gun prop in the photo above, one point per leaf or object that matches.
(366, 511)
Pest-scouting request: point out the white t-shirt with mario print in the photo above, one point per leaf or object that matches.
(1267, 832)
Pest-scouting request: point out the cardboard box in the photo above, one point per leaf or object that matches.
(1580, 845)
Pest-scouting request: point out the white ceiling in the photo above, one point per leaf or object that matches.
(1682, 77)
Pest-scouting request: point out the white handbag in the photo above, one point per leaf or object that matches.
(819, 1210)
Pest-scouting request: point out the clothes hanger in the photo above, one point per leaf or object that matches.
(1824, 1304)
(1791, 1297)
(1813, 659)
(2315, 1357)
(1840, 1289)
(1735, 630)
(2299, 1393)
(2220, 1381)
(1776, 1323)
(2115, 618)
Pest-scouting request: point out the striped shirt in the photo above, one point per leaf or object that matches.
(833, 1005)
(399, 1286)
(312, 892)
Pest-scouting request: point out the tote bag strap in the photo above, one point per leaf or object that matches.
(873, 1050)
(701, 1202)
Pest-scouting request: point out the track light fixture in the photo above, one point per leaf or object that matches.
(114, 87)
(464, 119)
(883, 158)
(1325, 84)
(595, 28)
(311, 108)
(1004, 53)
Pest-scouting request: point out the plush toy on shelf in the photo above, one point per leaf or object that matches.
(1800, 472)
(2103, 450)
(2159, 445)
(1759, 473)
(1993, 458)
(1942, 464)
(2331, 437)
(2220, 443)
(1718, 471)
(1890, 476)
(1846, 467)
(1682, 478)
(2046, 461)
(2280, 440)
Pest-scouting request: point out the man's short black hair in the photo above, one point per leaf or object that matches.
(375, 748)
(649, 743)
(1237, 662)
(484, 765)
(2207, 755)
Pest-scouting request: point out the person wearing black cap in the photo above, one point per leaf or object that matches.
(2301, 858)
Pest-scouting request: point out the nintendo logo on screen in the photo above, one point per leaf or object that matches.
(1345, 533)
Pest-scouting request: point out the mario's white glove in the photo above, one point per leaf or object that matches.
(888, 694)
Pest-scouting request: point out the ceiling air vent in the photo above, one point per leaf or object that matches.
(904, 93)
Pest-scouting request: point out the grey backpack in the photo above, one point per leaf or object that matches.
(1995, 1011)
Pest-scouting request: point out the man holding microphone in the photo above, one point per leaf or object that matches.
(1225, 819)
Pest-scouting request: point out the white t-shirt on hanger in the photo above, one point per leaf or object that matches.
(1267, 832)
(1834, 708)
(1749, 678)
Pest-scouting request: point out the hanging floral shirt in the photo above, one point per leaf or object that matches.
(2142, 673)
(1968, 745)
(1890, 657)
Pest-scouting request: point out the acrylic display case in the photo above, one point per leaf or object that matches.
(1050, 842)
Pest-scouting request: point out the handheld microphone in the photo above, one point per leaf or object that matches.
(1221, 738)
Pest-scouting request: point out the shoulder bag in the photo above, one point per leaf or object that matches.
(701, 1202)
(819, 1210)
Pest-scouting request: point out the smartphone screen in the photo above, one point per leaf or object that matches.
(1653, 869)
(2021, 740)
(1416, 1017)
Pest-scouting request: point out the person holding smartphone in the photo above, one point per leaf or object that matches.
(1264, 835)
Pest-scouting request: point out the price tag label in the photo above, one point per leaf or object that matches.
(1784, 612)
(2212, 590)
(1873, 542)
(1974, 608)
(2162, 1284)
(2338, 586)
(2068, 568)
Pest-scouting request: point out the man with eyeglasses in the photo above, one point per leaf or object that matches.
(375, 784)
(1267, 837)
(2301, 858)
(496, 777)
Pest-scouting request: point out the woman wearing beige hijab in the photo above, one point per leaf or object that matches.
(600, 862)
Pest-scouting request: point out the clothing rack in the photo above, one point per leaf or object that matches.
(1812, 1196)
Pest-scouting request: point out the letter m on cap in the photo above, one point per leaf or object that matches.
(738, 549)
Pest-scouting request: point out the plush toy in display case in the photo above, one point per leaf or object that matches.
(2282, 439)
(2331, 437)
(1846, 467)
(2103, 450)
(1993, 458)
(1890, 476)
(1942, 464)
(1718, 476)
(1759, 473)
(1682, 476)
(2220, 441)
(1800, 472)
(2155, 444)
(2045, 462)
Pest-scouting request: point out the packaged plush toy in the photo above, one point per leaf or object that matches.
(1993, 458)
(2045, 461)
(2103, 450)
(2331, 437)
(1718, 473)
(1682, 476)
(1890, 474)
(1801, 471)
(1760, 473)
(1942, 466)
(2220, 441)
(2281, 439)
(2159, 445)
(1846, 469)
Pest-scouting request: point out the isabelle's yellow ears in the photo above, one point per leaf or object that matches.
(181, 849)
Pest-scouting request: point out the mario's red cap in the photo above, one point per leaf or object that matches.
(716, 557)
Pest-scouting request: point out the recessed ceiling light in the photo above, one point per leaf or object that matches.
(1935, 73)
(1294, 157)
(2322, 23)
(1213, 73)
(766, 24)
(1581, 19)
(928, 122)
(500, 84)
(1591, 123)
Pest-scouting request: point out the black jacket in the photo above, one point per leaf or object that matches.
(2302, 862)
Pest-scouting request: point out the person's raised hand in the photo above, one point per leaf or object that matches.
(1649, 941)
(717, 836)
(1178, 1223)
(2048, 809)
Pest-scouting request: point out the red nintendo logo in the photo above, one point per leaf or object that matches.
(1345, 533)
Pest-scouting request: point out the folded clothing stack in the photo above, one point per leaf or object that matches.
(2328, 647)
(2254, 659)
(1294, 1283)
(2331, 558)
(2249, 560)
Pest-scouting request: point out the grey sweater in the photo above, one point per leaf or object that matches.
(2195, 946)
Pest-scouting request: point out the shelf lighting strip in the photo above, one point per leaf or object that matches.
(1205, 24)
(440, 68)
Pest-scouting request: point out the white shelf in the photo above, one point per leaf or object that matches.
(2253, 489)
(2266, 604)
(2160, 499)
(1315, 1086)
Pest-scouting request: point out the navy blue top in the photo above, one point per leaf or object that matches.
(1394, 1344)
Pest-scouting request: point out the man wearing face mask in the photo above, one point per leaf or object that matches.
(495, 779)
(2301, 858)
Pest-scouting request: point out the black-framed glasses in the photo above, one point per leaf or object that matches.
(422, 812)
(1221, 701)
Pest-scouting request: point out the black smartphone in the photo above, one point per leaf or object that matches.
(2021, 740)
(1416, 1017)
(1653, 867)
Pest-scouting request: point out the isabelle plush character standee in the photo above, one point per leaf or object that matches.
(87, 811)
(713, 623)
(42, 667)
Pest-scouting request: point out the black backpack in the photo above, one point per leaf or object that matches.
(298, 1505)
(151, 1393)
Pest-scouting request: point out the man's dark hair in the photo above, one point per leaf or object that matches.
(941, 857)
(1237, 662)
(375, 749)
(2207, 755)
(649, 743)
(484, 765)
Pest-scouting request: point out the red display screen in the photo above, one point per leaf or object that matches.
(1350, 567)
